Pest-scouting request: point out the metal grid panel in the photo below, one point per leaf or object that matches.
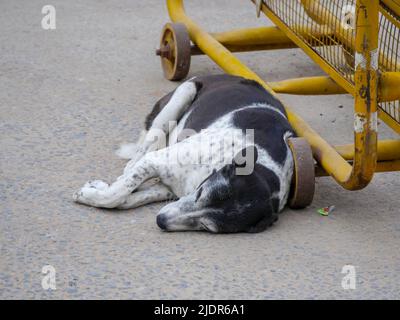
(336, 19)
(389, 53)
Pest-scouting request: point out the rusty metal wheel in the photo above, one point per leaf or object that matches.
(303, 181)
(174, 51)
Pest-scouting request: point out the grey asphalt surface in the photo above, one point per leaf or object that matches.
(70, 96)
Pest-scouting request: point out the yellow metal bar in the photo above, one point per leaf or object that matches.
(389, 120)
(263, 38)
(387, 166)
(381, 166)
(385, 10)
(251, 39)
(389, 86)
(267, 36)
(366, 84)
(393, 5)
(253, 36)
(195, 51)
(325, 154)
(388, 90)
(386, 150)
(307, 86)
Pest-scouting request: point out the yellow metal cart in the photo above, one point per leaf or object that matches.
(355, 42)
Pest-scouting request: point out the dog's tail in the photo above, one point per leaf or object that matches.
(131, 150)
(127, 151)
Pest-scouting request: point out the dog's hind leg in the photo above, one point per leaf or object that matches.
(155, 193)
(176, 106)
(166, 120)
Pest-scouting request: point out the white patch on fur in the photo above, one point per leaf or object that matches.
(263, 105)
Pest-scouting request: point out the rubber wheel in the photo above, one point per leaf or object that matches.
(174, 51)
(303, 181)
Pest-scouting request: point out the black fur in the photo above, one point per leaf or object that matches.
(268, 125)
(224, 93)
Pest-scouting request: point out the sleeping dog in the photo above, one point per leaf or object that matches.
(217, 146)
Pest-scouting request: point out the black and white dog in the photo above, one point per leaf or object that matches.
(219, 145)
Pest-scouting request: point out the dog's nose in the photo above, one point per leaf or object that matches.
(162, 221)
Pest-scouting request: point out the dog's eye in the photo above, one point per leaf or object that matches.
(199, 192)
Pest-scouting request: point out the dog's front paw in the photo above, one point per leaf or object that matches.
(85, 195)
(88, 192)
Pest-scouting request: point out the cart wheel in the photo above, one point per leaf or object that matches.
(175, 51)
(303, 181)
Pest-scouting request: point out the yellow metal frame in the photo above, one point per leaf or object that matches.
(352, 166)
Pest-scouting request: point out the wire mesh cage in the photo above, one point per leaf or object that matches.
(355, 42)
(336, 21)
(389, 53)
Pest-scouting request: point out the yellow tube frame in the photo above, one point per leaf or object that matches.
(307, 86)
(262, 38)
(387, 150)
(389, 88)
(252, 39)
(351, 177)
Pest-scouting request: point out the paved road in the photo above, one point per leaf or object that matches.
(69, 96)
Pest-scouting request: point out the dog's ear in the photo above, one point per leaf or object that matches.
(245, 156)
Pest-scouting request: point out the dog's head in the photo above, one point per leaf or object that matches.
(224, 202)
